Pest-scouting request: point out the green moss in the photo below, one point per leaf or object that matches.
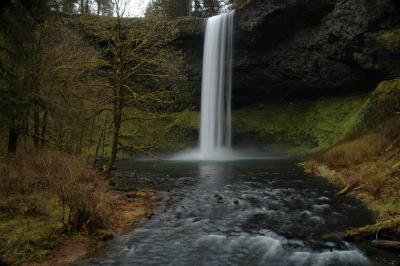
(166, 132)
(32, 238)
(300, 127)
(28, 239)
(389, 39)
(382, 104)
(241, 3)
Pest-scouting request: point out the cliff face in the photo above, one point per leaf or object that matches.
(309, 48)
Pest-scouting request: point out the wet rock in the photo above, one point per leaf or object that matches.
(218, 197)
(294, 245)
(236, 201)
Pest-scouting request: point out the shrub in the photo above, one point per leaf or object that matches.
(29, 183)
(356, 151)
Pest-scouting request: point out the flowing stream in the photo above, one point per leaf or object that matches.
(236, 212)
(250, 212)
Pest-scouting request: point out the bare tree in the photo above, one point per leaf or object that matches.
(137, 52)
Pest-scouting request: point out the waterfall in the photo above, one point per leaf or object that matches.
(215, 127)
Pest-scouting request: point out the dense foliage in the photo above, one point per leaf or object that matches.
(67, 81)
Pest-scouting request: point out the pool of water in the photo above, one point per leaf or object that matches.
(259, 212)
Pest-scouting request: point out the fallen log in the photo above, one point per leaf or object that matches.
(386, 244)
(392, 224)
(345, 190)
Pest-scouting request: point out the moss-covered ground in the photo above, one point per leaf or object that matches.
(300, 127)
(367, 162)
(54, 206)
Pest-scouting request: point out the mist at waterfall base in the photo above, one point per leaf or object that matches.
(215, 127)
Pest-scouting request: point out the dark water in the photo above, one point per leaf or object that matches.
(237, 213)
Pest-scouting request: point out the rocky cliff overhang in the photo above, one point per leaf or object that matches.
(310, 48)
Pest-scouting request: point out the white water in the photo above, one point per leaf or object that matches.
(215, 127)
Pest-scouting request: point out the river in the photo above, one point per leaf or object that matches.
(249, 212)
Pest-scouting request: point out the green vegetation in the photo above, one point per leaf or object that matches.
(389, 39)
(367, 163)
(300, 127)
(382, 104)
(80, 83)
(168, 132)
(70, 87)
(29, 239)
(47, 198)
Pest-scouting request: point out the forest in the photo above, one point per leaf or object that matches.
(199, 130)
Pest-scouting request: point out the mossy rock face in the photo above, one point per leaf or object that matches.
(184, 126)
(389, 39)
(297, 127)
(382, 104)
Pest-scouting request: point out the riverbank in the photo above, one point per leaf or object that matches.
(130, 209)
(367, 168)
(56, 209)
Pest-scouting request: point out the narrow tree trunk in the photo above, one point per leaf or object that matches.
(13, 135)
(80, 141)
(36, 127)
(103, 143)
(44, 127)
(115, 134)
(119, 77)
(101, 137)
(98, 7)
(87, 7)
(91, 133)
(82, 6)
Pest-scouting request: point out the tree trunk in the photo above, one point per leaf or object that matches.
(87, 7)
(91, 133)
(101, 137)
(13, 135)
(44, 127)
(36, 127)
(115, 134)
(82, 6)
(80, 140)
(103, 143)
(98, 7)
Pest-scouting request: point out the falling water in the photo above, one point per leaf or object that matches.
(215, 128)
